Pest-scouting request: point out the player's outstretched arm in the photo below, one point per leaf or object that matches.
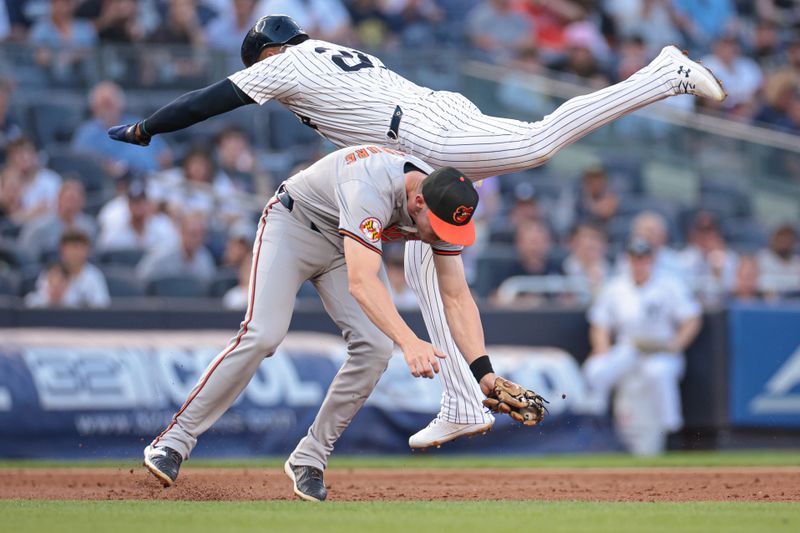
(183, 112)
(464, 320)
(363, 267)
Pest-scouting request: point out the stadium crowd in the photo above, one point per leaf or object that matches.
(85, 220)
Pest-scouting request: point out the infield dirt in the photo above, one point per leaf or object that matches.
(369, 484)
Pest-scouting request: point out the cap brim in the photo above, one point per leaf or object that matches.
(452, 234)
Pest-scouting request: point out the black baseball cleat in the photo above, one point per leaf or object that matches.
(164, 463)
(308, 482)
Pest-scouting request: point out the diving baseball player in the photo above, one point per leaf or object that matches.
(325, 225)
(351, 98)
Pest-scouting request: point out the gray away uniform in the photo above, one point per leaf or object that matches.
(357, 193)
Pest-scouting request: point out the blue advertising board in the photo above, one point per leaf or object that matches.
(106, 394)
(765, 365)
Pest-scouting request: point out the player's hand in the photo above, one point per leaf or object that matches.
(130, 133)
(421, 358)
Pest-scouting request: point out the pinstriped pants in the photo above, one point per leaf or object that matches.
(448, 129)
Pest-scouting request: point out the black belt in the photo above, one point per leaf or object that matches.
(284, 198)
(394, 125)
(288, 202)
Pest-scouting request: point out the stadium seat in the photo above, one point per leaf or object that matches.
(80, 166)
(494, 257)
(8, 284)
(128, 257)
(53, 123)
(177, 287)
(222, 283)
(122, 283)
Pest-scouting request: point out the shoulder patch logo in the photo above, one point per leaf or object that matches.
(372, 229)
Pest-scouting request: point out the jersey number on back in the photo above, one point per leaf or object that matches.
(343, 55)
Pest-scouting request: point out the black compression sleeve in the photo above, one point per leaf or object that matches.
(195, 107)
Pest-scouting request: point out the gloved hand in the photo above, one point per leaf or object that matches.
(519, 403)
(130, 133)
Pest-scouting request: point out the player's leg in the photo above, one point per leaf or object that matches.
(483, 146)
(461, 412)
(368, 354)
(664, 372)
(603, 372)
(275, 278)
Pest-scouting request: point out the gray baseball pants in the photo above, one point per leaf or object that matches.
(286, 253)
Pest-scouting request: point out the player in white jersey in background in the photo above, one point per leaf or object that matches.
(652, 319)
(351, 98)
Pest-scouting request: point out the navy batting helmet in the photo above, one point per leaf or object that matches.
(272, 30)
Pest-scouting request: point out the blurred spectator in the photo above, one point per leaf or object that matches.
(747, 286)
(498, 31)
(653, 320)
(236, 158)
(196, 186)
(785, 13)
(43, 234)
(107, 104)
(11, 210)
(632, 55)
(74, 282)
(237, 297)
(116, 21)
(327, 20)
(38, 187)
(188, 258)
(548, 20)
(652, 21)
(9, 129)
(709, 264)
(5, 22)
(402, 295)
(181, 25)
(526, 206)
(766, 44)
(704, 22)
(586, 265)
(370, 24)
(239, 245)
(595, 201)
(413, 20)
(63, 42)
(651, 227)
(585, 53)
(132, 222)
(534, 247)
(779, 265)
(740, 75)
(226, 32)
(780, 95)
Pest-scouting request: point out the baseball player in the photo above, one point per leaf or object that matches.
(653, 319)
(351, 98)
(325, 225)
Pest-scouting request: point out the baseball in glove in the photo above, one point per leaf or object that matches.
(521, 404)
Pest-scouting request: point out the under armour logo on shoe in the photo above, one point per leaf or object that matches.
(684, 72)
(685, 87)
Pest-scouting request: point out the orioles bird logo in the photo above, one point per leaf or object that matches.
(371, 228)
(462, 214)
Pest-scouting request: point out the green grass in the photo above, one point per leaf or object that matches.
(433, 460)
(419, 517)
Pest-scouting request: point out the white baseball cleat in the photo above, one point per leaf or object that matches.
(690, 76)
(440, 431)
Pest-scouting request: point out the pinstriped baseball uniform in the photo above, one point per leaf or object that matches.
(351, 193)
(352, 98)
